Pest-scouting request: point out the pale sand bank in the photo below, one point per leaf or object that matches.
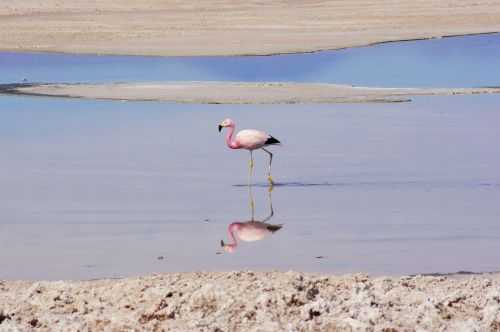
(234, 93)
(233, 27)
(248, 301)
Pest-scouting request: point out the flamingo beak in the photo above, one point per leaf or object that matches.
(220, 128)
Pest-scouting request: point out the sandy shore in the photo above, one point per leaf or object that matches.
(234, 93)
(248, 301)
(233, 27)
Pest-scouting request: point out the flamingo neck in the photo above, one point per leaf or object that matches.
(230, 230)
(229, 139)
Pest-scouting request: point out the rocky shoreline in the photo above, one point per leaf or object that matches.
(254, 301)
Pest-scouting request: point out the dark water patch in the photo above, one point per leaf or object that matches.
(436, 184)
(456, 274)
(12, 88)
(287, 184)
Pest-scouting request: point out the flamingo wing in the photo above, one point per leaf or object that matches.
(253, 231)
(252, 139)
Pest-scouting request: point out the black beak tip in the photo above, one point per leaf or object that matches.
(222, 243)
(220, 128)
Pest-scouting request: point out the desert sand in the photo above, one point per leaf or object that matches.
(234, 93)
(254, 301)
(233, 27)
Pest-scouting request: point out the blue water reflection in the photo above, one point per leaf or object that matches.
(449, 62)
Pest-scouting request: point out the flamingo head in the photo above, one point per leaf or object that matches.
(228, 247)
(226, 123)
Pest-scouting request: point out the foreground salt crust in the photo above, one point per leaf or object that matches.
(254, 301)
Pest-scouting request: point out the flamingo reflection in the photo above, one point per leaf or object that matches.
(252, 230)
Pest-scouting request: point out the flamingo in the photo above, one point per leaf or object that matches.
(252, 230)
(248, 231)
(249, 139)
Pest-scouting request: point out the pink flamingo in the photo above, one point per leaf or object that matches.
(248, 231)
(252, 230)
(249, 139)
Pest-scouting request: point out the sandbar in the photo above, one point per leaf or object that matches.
(235, 92)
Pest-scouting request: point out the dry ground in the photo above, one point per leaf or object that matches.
(248, 301)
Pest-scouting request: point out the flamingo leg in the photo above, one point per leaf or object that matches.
(250, 168)
(269, 177)
(252, 202)
(271, 210)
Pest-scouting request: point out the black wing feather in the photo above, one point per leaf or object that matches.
(273, 228)
(271, 140)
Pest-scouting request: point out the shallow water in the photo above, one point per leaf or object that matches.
(469, 61)
(94, 189)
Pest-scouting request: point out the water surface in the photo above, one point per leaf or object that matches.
(469, 61)
(94, 189)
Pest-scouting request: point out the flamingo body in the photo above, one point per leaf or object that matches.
(251, 139)
(249, 231)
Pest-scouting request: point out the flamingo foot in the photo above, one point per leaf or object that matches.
(271, 181)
